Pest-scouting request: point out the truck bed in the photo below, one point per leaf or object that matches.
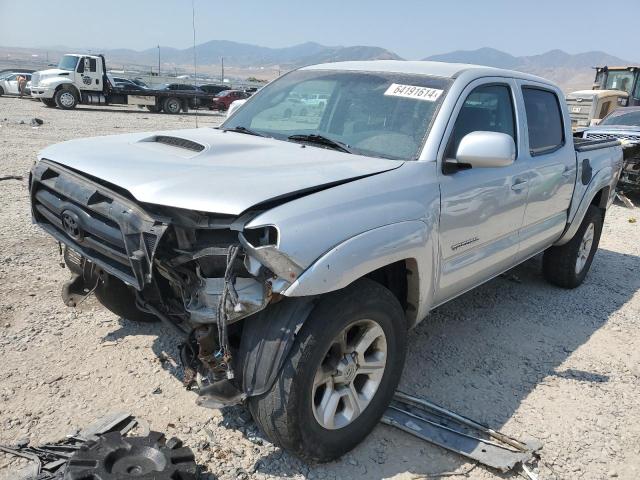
(586, 145)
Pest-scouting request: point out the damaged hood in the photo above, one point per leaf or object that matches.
(210, 170)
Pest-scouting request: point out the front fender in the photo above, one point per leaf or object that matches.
(369, 251)
(55, 83)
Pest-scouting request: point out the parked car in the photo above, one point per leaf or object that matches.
(292, 256)
(125, 84)
(222, 100)
(140, 83)
(214, 89)
(9, 83)
(624, 125)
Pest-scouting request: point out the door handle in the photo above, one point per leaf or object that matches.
(519, 185)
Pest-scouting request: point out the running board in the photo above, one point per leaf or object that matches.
(456, 433)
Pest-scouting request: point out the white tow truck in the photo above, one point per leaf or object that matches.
(83, 79)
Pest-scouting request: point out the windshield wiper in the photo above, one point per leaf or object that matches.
(246, 130)
(322, 140)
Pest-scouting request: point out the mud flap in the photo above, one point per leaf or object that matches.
(267, 339)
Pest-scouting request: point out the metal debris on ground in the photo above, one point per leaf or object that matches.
(12, 177)
(456, 433)
(624, 199)
(103, 451)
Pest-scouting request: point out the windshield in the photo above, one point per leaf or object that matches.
(620, 118)
(377, 114)
(68, 62)
(620, 80)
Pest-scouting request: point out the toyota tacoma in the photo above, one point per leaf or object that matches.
(293, 251)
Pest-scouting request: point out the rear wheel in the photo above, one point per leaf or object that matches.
(172, 105)
(567, 265)
(339, 376)
(66, 99)
(49, 102)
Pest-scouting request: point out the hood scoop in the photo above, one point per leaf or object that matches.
(179, 142)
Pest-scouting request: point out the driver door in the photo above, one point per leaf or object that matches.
(482, 209)
(90, 74)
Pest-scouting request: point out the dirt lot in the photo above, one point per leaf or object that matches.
(517, 353)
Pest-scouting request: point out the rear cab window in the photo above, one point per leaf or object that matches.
(544, 120)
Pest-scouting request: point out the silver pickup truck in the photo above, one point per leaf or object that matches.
(293, 247)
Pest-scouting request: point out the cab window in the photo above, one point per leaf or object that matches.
(488, 108)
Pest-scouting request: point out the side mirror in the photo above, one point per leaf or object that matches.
(486, 150)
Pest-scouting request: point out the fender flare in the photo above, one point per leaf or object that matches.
(362, 254)
(600, 182)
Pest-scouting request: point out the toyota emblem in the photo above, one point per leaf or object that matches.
(71, 225)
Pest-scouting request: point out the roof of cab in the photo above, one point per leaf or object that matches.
(438, 69)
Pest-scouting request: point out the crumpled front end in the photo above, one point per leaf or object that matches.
(200, 273)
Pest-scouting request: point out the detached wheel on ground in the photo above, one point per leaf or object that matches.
(66, 99)
(340, 375)
(567, 265)
(48, 102)
(172, 105)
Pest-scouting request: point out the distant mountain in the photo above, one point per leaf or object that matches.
(246, 55)
(551, 59)
(570, 71)
(483, 56)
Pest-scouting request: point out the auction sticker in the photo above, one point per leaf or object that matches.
(413, 91)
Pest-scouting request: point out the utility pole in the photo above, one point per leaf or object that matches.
(222, 71)
(158, 60)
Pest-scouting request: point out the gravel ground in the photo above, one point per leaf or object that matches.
(516, 353)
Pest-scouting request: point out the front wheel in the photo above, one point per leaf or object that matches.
(340, 375)
(66, 99)
(567, 265)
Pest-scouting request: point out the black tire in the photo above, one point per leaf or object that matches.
(66, 98)
(1, 91)
(154, 108)
(48, 102)
(560, 264)
(172, 105)
(285, 413)
(120, 299)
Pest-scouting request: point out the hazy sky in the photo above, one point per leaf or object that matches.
(411, 28)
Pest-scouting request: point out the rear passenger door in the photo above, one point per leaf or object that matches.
(551, 167)
(481, 208)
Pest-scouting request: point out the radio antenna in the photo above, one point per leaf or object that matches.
(195, 64)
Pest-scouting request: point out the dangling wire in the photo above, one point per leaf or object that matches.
(195, 65)
(228, 292)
